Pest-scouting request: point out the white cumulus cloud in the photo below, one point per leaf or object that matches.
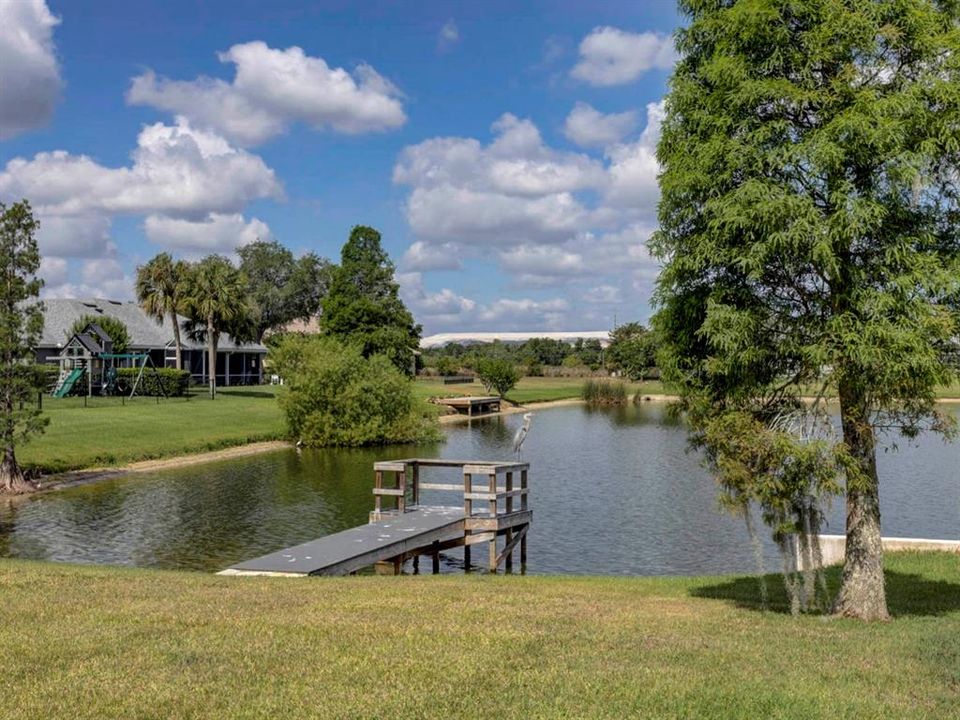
(550, 219)
(217, 233)
(273, 89)
(514, 188)
(176, 170)
(191, 185)
(611, 56)
(29, 74)
(588, 127)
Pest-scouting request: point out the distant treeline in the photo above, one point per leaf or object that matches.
(632, 352)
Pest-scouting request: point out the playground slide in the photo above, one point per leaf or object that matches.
(68, 382)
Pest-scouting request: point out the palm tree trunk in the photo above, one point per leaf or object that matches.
(862, 592)
(176, 339)
(212, 358)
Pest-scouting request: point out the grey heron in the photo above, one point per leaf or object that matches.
(522, 434)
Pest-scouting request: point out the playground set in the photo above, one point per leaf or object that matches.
(88, 357)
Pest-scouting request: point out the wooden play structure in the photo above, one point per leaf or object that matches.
(494, 512)
(88, 358)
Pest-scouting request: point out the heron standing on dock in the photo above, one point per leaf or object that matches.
(521, 434)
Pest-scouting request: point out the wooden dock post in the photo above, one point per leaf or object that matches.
(377, 485)
(467, 512)
(523, 507)
(508, 507)
(492, 490)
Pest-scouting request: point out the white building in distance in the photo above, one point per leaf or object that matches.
(571, 337)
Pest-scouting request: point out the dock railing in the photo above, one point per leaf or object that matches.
(494, 496)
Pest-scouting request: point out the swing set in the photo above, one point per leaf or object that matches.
(88, 356)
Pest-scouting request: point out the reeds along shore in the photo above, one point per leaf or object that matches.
(605, 392)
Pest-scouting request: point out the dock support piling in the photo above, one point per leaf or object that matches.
(492, 489)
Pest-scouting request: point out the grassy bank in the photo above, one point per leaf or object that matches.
(85, 642)
(111, 432)
(529, 389)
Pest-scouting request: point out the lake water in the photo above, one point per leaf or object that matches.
(613, 492)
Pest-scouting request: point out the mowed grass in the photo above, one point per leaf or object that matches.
(529, 389)
(88, 642)
(111, 432)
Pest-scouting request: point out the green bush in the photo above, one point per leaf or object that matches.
(173, 382)
(497, 375)
(604, 392)
(333, 396)
(448, 366)
(534, 369)
(46, 374)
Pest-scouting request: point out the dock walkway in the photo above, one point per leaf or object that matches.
(490, 511)
(471, 404)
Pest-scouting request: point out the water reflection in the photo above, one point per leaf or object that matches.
(614, 491)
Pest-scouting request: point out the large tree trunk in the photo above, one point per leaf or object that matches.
(862, 593)
(212, 359)
(12, 479)
(176, 340)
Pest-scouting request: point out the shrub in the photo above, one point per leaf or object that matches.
(604, 392)
(448, 366)
(169, 381)
(497, 375)
(534, 369)
(333, 396)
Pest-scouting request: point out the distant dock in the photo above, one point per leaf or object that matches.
(471, 406)
(494, 512)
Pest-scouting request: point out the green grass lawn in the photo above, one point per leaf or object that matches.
(112, 432)
(528, 390)
(88, 642)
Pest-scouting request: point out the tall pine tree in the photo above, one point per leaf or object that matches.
(21, 322)
(363, 304)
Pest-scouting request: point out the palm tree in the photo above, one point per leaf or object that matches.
(215, 301)
(160, 290)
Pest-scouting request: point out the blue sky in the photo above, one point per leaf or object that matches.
(504, 149)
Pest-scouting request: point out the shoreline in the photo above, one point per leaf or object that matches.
(71, 478)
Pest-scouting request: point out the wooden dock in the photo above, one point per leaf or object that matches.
(472, 405)
(494, 512)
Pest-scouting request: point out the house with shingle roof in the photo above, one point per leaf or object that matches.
(237, 363)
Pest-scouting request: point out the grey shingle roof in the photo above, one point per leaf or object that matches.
(145, 333)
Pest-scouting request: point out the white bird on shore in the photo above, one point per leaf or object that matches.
(521, 434)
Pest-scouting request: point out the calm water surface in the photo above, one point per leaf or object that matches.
(613, 492)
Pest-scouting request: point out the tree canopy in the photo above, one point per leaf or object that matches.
(333, 396)
(809, 235)
(282, 287)
(115, 329)
(632, 350)
(21, 322)
(363, 305)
